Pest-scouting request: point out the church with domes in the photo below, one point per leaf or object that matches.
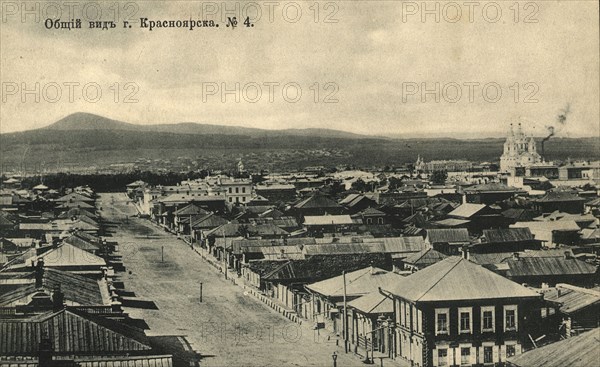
(519, 151)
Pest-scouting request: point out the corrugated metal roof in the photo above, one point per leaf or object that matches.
(448, 235)
(76, 288)
(571, 298)
(71, 333)
(502, 235)
(425, 258)
(546, 266)
(581, 350)
(372, 303)
(455, 278)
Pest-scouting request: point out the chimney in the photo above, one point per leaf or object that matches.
(516, 256)
(39, 274)
(568, 255)
(58, 299)
(45, 351)
(466, 253)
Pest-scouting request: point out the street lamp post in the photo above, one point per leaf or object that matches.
(334, 357)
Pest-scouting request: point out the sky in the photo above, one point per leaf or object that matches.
(371, 67)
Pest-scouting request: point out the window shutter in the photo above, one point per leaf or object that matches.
(473, 356)
(496, 356)
(517, 349)
(503, 353)
(435, 358)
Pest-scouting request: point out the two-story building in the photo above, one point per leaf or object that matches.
(236, 191)
(457, 313)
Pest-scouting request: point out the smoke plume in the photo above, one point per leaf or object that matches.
(561, 120)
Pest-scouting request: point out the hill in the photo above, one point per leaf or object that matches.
(90, 141)
(88, 121)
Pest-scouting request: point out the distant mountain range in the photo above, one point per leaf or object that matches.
(88, 140)
(87, 121)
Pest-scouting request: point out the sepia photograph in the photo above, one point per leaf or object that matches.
(299, 183)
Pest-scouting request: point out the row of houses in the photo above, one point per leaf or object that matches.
(61, 297)
(478, 275)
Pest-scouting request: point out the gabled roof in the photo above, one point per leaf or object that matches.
(208, 221)
(74, 204)
(190, 209)
(348, 199)
(467, 210)
(448, 235)
(455, 278)
(503, 235)
(105, 336)
(75, 197)
(547, 266)
(559, 196)
(236, 229)
(358, 282)
(316, 267)
(425, 258)
(317, 201)
(581, 350)
(76, 288)
(372, 303)
(68, 255)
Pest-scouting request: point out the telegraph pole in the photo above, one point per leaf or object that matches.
(345, 323)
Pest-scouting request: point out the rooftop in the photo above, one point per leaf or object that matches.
(455, 278)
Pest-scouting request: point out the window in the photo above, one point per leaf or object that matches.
(488, 355)
(442, 357)
(243, 190)
(243, 198)
(230, 190)
(441, 321)
(369, 221)
(487, 318)
(237, 190)
(510, 318)
(402, 313)
(464, 317)
(465, 322)
(510, 351)
(465, 356)
(380, 220)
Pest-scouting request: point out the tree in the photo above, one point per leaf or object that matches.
(359, 185)
(439, 177)
(394, 183)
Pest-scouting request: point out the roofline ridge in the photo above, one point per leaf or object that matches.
(440, 279)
